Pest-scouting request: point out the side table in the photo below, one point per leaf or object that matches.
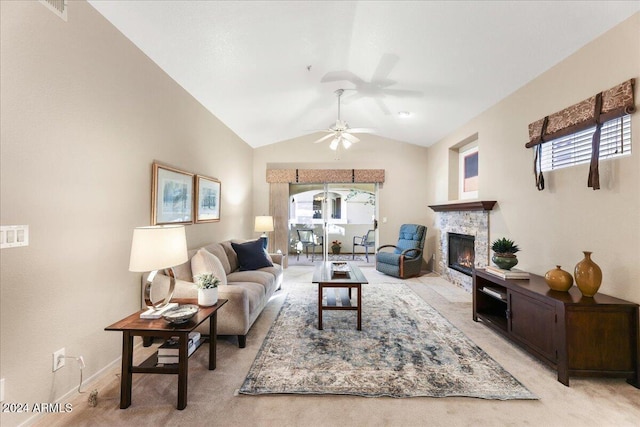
(134, 326)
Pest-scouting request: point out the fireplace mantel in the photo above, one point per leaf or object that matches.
(476, 205)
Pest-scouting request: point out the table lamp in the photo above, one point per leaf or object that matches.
(154, 248)
(264, 224)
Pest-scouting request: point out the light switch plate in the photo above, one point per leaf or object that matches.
(12, 236)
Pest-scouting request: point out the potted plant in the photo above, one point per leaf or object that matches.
(335, 247)
(207, 285)
(504, 253)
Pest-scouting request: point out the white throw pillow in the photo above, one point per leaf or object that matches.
(205, 262)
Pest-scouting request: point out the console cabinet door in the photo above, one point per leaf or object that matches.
(533, 324)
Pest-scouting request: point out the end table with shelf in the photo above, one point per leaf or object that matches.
(133, 325)
(576, 335)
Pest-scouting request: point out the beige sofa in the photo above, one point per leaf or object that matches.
(247, 291)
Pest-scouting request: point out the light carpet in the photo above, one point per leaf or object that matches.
(405, 349)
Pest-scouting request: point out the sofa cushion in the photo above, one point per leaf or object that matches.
(205, 262)
(232, 256)
(218, 250)
(251, 255)
(267, 280)
(183, 271)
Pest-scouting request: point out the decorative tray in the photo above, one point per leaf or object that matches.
(340, 268)
(181, 313)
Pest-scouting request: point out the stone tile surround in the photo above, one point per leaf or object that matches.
(471, 222)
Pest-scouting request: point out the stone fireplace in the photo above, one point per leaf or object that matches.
(468, 219)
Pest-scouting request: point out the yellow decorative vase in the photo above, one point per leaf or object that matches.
(588, 276)
(558, 279)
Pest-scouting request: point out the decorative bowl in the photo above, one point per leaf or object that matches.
(181, 313)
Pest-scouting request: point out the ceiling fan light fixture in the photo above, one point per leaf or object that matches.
(340, 131)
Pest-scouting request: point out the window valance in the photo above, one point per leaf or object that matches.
(595, 111)
(293, 176)
(616, 102)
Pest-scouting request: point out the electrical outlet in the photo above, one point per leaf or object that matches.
(58, 359)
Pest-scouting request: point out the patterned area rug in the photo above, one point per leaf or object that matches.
(405, 349)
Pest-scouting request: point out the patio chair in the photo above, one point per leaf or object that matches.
(367, 241)
(406, 259)
(309, 238)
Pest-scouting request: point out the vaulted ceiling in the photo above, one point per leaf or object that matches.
(269, 69)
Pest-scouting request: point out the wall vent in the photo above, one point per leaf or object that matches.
(59, 7)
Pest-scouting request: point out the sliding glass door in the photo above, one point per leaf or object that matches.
(322, 216)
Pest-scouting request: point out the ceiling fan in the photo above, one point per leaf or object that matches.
(340, 131)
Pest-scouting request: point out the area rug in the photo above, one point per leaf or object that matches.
(405, 349)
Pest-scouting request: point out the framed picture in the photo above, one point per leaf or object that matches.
(207, 199)
(171, 196)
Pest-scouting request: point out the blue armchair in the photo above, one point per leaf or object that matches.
(406, 259)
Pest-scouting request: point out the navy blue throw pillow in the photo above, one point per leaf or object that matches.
(251, 255)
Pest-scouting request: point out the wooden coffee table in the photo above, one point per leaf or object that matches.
(326, 278)
(135, 326)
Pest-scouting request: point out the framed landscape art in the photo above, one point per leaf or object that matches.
(171, 196)
(207, 199)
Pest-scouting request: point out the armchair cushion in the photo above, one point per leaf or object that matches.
(251, 255)
(411, 237)
(388, 258)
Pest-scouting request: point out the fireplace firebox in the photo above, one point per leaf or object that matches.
(461, 252)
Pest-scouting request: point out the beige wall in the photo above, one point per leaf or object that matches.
(401, 197)
(84, 114)
(554, 226)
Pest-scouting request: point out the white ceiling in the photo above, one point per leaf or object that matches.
(445, 62)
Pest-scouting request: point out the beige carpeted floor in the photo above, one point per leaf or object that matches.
(212, 398)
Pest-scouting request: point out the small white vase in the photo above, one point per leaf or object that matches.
(207, 297)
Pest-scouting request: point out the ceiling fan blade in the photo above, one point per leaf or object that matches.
(324, 138)
(337, 76)
(403, 93)
(382, 106)
(361, 130)
(386, 64)
(348, 137)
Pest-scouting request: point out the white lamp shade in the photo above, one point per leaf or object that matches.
(157, 247)
(264, 223)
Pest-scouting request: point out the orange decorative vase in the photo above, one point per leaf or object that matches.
(558, 279)
(588, 276)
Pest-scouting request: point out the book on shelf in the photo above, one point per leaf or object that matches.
(171, 347)
(495, 293)
(514, 273)
(168, 359)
